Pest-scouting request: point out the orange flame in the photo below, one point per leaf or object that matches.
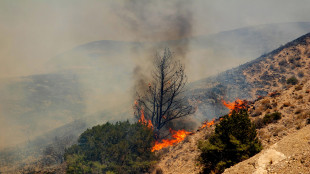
(177, 136)
(147, 123)
(236, 105)
(207, 124)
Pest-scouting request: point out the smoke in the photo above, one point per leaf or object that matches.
(169, 23)
(156, 20)
(160, 24)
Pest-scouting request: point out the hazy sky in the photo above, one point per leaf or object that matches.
(33, 31)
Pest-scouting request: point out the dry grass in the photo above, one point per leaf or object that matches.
(257, 112)
(266, 104)
(304, 115)
(277, 131)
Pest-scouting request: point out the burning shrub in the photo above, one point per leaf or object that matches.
(234, 140)
(121, 148)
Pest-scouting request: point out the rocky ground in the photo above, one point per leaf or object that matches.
(289, 155)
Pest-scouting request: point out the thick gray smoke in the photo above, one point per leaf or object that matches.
(157, 20)
(169, 23)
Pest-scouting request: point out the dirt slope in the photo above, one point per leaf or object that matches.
(181, 158)
(289, 155)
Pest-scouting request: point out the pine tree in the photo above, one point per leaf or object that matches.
(234, 140)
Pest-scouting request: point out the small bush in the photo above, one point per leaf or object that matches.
(270, 118)
(298, 88)
(275, 104)
(291, 60)
(292, 80)
(283, 63)
(300, 74)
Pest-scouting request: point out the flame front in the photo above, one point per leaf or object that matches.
(207, 124)
(236, 105)
(177, 136)
(142, 120)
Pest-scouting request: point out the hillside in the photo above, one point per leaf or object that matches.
(286, 142)
(278, 138)
(256, 78)
(290, 155)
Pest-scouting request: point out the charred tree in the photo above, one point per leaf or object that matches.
(164, 98)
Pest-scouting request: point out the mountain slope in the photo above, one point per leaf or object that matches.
(278, 137)
(256, 78)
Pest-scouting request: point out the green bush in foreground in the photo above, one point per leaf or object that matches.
(112, 148)
(234, 140)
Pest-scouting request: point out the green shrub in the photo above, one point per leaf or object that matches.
(292, 80)
(234, 140)
(270, 118)
(120, 148)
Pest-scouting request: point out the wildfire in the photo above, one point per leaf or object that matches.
(177, 136)
(236, 105)
(142, 120)
(207, 124)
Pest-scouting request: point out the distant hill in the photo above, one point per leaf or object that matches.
(206, 55)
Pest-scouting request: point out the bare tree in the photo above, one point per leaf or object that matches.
(163, 100)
